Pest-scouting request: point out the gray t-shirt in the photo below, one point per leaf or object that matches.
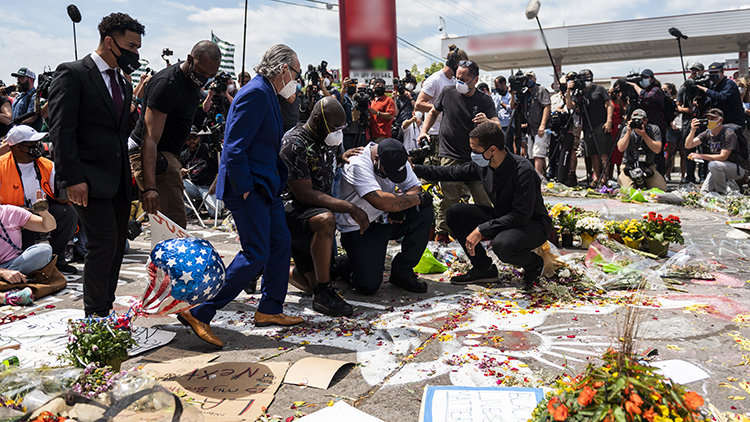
(458, 111)
(536, 100)
(726, 139)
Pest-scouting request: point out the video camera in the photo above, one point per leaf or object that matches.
(579, 82)
(626, 91)
(219, 84)
(45, 80)
(313, 74)
(518, 82)
(421, 152)
(362, 100)
(691, 86)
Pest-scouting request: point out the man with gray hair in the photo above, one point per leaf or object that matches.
(170, 101)
(252, 177)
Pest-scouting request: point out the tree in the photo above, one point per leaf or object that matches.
(420, 76)
(433, 68)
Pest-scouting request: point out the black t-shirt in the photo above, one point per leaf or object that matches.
(405, 109)
(308, 158)
(201, 164)
(456, 125)
(726, 139)
(597, 98)
(3, 127)
(170, 92)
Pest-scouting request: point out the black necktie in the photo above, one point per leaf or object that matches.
(116, 93)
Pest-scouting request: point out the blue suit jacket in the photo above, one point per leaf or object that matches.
(252, 140)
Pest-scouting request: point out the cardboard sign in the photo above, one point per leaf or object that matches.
(453, 404)
(314, 372)
(149, 338)
(227, 391)
(162, 228)
(680, 371)
(170, 354)
(339, 412)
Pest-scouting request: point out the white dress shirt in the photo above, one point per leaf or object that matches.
(103, 68)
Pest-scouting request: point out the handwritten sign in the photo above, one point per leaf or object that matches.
(149, 338)
(455, 404)
(162, 228)
(229, 391)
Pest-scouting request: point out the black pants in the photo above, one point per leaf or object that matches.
(366, 251)
(690, 164)
(105, 222)
(67, 219)
(512, 246)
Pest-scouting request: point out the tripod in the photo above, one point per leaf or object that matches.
(517, 117)
(562, 152)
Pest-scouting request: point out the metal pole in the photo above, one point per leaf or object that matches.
(682, 61)
(554, 68)
(75, 43)
(244, 43)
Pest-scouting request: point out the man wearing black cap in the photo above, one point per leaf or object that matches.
(651, 100)
(369, 181)
(724, 95)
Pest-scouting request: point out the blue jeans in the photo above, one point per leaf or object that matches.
(197, 193)
(35, 257)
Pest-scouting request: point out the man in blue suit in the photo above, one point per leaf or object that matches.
(251, 179)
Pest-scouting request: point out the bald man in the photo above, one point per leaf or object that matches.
(311, 150)
(170, 101)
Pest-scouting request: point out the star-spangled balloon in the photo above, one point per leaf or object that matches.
(183, 272)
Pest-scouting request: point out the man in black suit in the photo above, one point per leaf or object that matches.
(89, 110)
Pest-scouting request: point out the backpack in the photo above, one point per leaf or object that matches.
(742, 147)
(670, 109)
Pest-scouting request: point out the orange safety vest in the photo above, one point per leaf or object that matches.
(11, 187)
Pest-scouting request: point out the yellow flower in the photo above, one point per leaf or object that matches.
(664, 410)
(550, 185)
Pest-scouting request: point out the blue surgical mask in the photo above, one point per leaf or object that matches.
(645, 82)
(479, 159)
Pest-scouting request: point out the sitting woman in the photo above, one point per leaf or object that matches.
(15, 263)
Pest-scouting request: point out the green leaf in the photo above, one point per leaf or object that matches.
(619, 414)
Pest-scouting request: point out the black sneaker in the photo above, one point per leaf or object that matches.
(327, 301)
(475, 275)
(531, 274)
(411, 283)
(66, 268)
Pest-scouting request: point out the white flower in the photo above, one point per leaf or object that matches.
(590, 225)
(565, 273)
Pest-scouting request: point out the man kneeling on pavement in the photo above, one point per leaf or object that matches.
(311, 150)
(369, 181)
(640, 141)
(517, 222)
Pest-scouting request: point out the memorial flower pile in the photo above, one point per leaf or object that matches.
(565, 216)
(631, 230)
(663, 229)
(102, 341)
(591, 226)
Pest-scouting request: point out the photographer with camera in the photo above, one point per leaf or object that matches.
(25, 101)
(214, 104)
(463, 107)
(404, 103)
(724, 94)
(382, 113)
(170, 101)
(6, 111)
(692, 103)
(640, 142)
(595, 108)
(722, 155)
(651, 100)
(200, 165)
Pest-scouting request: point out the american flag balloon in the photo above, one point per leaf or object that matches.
(183, 273)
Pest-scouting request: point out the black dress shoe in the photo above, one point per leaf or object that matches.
(475, 275)
(327, 301)
(66, 268)
(411, 283)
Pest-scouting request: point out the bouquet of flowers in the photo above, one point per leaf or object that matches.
(565, 217)
(95, 380)
(631, 230)
(591, 226)
(103, 341)
(619, 390)
(663, 229)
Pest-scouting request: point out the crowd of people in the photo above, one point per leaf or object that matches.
(296, 160)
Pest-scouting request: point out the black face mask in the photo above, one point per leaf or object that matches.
(35, 151)
(714, 77)
(196, 78)
(127, 60)
(351, 90)
(498, 91)
(379, 91)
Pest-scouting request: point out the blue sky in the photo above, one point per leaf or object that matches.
(38, 33)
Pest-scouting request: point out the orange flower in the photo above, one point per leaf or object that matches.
(598, 384)
(631, 408)
(693, 400)
(587, 394)
(561, 413)
(649, 414)
(551, 404)
(636, 399)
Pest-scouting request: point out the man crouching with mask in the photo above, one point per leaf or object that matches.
(517, 222)
(311, 150)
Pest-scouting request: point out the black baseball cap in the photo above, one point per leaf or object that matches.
(697, 66)
(394, 159)
(717, 66)
(647, 73)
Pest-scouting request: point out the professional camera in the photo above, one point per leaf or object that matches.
(627, 92)
(421, 152)
(148, 71)
(636, 124)
(45, 79)
(219, 84)
(580, 82)
(639, 175)
(312, 75)
(362, 100)
(518, 82)
(166, 53)
(691, 86)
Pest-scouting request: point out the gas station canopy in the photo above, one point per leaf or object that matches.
(709, 33)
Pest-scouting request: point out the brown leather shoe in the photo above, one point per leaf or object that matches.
(201, 329)
(264, 320)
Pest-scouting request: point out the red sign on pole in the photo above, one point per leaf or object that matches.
(368, 39)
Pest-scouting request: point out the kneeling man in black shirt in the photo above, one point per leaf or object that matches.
(518, 222)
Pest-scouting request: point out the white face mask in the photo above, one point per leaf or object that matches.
(588, 84)
(230, 88)
(742, 90)
(290, 88)
(326, 82)
(334, 138)
(409, 87)
(419, 115)
(462, 87)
